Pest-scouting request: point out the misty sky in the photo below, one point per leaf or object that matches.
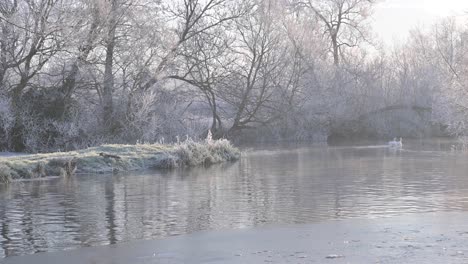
(394, 18)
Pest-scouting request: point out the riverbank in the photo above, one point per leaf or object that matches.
(117, 158)
(414, 238)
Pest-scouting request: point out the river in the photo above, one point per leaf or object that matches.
(269, 186)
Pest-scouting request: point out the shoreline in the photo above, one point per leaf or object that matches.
(116, 158)
(413, 238)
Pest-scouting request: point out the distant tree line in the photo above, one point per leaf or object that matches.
(77, 73)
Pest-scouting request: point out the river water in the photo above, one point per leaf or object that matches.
(269, 186)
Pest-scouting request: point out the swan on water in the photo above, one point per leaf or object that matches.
(396, 144)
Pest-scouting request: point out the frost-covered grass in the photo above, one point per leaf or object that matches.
(117, 158)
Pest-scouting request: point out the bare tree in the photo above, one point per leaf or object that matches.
(92, 25)
(194, 17)
(82, 72)
(108, 84)
(31, 40)
(451, 102)
(253, 81)
(7, 10)
(342, 20)
(206, 59)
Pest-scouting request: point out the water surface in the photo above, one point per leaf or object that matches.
(277, 186)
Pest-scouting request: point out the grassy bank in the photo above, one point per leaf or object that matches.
(116, 158)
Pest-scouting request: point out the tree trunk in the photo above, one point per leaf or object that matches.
(108, 86)
(3, 53)
(69, 84)
(336, 51)
(17, 131)
(2, 75)
(216, 126)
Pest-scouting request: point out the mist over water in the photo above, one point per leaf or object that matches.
(269, 186)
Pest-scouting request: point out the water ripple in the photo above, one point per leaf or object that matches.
(265, 187)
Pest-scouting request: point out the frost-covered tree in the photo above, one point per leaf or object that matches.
(343, 22)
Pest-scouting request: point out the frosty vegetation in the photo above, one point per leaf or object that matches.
(80, 73)
(118, 158)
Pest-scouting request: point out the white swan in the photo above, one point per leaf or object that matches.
(396, 144)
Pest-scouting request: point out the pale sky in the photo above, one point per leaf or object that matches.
(393, 19)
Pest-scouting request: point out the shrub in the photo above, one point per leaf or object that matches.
(5, 174)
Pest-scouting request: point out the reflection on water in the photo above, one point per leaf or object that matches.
(294, 185)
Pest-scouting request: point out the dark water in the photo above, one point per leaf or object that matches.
(266, 187)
